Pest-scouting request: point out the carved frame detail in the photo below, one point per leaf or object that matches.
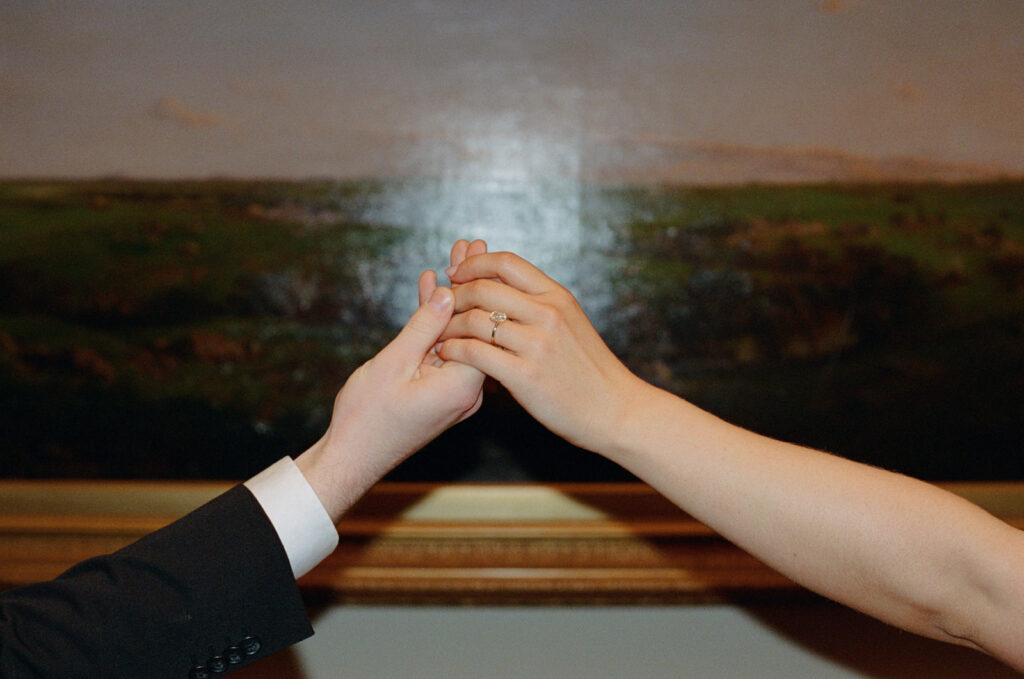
(444, 544)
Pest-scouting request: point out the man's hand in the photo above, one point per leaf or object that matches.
(393, 405)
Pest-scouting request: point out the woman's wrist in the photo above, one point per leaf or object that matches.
(627, 431)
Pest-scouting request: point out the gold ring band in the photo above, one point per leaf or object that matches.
(497, 317)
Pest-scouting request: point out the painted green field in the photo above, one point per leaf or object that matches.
(201, 329)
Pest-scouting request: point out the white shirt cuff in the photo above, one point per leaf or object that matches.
(303, 525)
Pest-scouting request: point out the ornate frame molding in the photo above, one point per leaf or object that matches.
(444, 544)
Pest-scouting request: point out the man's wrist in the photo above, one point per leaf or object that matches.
(338, 480)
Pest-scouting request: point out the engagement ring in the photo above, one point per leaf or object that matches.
(497, 317)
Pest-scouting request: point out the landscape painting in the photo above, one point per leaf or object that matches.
(804, 217)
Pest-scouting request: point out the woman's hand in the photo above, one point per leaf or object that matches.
(395, 403)
(547, 354)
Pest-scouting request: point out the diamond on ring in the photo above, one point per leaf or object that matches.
(497, 317)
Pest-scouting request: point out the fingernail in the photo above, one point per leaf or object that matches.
(440, 299)
(450, 270)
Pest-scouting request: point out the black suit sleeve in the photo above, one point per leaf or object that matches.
(208, 594)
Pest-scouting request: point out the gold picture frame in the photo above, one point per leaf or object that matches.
(411, 543)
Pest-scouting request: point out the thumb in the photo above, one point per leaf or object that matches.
(424, 327)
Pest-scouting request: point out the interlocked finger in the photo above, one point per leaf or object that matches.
(490, 295)
(487, 327)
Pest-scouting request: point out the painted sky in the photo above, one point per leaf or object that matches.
(716, 91)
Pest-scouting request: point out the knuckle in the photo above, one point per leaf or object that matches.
(420, 326)
(563, 298)
(506, 262)
(448, 350)
(546, 348)
(548, 315)
(458, 350)
(482, 285)
(464, 294)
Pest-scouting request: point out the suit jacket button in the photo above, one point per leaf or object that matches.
(199, 672)
(234, 654)
(250, 645)
(218, 664)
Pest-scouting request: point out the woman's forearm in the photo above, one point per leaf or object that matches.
(899, 549)
(894, 547)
